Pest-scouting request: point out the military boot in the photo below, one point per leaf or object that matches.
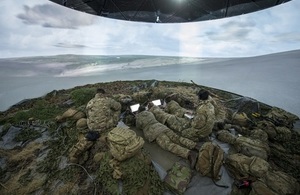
(192, 157)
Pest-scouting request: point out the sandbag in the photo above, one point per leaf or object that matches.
(210, 160)
(251, 147)
(243, 167)
(124, 143)
(178, 178)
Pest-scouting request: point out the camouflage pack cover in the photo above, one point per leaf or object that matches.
(251, 147)
(244, 167)
(210, 160)
(138, 176)
(178, 178)
(102, 114)
(150, 126)
(226, 136)
(124, 143)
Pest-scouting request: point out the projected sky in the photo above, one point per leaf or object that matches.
(40, 27)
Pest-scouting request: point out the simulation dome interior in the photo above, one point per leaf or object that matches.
(168, 11)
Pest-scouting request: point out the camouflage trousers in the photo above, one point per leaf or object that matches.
(176, 144)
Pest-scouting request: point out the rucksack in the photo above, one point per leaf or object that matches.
(251, 147)
(124, 143)
(275, 182)
(226, 136)
(243, 167)
(260, 188)
(178, 178)
(281, 117)
(240, 119)
(210, 160)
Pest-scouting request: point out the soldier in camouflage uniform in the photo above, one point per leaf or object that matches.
(102, 113)
(102, 116)
(165, 137)
(195, 129)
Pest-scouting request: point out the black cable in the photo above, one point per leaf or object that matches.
(119, 9)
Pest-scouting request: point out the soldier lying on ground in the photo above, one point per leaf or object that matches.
(166, 138)
(197, 128)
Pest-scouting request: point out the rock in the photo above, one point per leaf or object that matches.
(68, 103)
(8, 142)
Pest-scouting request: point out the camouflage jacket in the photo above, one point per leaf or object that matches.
(102, 113)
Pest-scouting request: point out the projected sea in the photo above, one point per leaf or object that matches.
(272, 79)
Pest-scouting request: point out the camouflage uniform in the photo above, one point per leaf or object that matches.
(174, 108)
(199, 127)
(175, 123)
(202, 123)
(103, 113)
(165, 137)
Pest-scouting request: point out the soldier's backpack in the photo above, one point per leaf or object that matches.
(243, 167)
(240, 119)
(281, 117)
(124, 143)
(210, 160)
(251, 147)
(226, 136)
(275, 182)
(178, 178)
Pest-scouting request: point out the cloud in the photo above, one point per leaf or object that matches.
(232, 30)
(54, 16)
(69, 45)
(288, 37)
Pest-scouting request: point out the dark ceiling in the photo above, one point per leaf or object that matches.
(168, 11)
